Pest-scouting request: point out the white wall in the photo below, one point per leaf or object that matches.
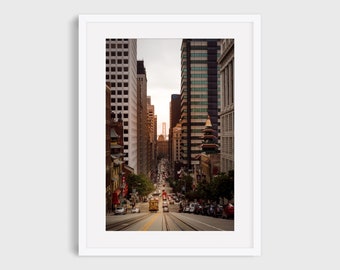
(38, 146)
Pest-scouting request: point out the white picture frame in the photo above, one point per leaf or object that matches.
(245, 240)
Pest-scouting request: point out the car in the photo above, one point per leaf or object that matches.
(135, 210)
(120, 211)
(192, 207)
(165, 209)
(228, 211)
(186, 209)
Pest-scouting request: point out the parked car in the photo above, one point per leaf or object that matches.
(198, 209)
(135, 210)
(228, 211)
(186, 209)
(192, 208)
(218, 211)
(120, 211)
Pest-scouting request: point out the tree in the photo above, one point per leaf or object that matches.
(140, 183)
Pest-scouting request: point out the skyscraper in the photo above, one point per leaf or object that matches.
(142, 130)
(175, 116)
(199, 94)
(121, 73)
(226, 62)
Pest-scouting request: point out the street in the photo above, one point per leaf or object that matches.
(170, 221)
(166, 221)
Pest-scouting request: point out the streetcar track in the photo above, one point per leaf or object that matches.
(122, 225)
(166, 223)
(173, 217)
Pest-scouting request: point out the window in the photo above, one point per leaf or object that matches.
(113, 53)
(126, 85)
(113, 77)
(119, 53)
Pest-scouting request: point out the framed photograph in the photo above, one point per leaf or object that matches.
(169, 135)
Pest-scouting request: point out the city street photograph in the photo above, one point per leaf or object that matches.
(169, 135)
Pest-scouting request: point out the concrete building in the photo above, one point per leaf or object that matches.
(226, 62)
(152, 139)
(175, 118)
(176, 144)
(199, 94)
(162, 147)
(142, 128)
(121, 73)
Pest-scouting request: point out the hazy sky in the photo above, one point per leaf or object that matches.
(162, 61)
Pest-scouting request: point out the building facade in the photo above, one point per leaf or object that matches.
(176, 143)
(175, 118)
(226, 62)
(199, 94)
(142, 129)
(152, 140)
(121, 73)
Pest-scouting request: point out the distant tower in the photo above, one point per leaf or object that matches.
(164, 129)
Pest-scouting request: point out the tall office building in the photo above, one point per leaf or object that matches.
(164, 130)
(152, 142)
(142, 129)
(199, 94)
(226, 62)
(175, 116)
(121, 74)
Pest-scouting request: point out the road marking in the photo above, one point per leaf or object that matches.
(148, 224)
(218, 229)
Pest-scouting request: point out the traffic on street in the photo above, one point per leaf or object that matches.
(164, 210)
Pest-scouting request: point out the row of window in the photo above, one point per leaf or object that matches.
(119, 108)
(115, 68)
(118, 46)
(119, 100)
(114, 53)
(119, 92)
(117, 61)
(114, 84)
(119, 77)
